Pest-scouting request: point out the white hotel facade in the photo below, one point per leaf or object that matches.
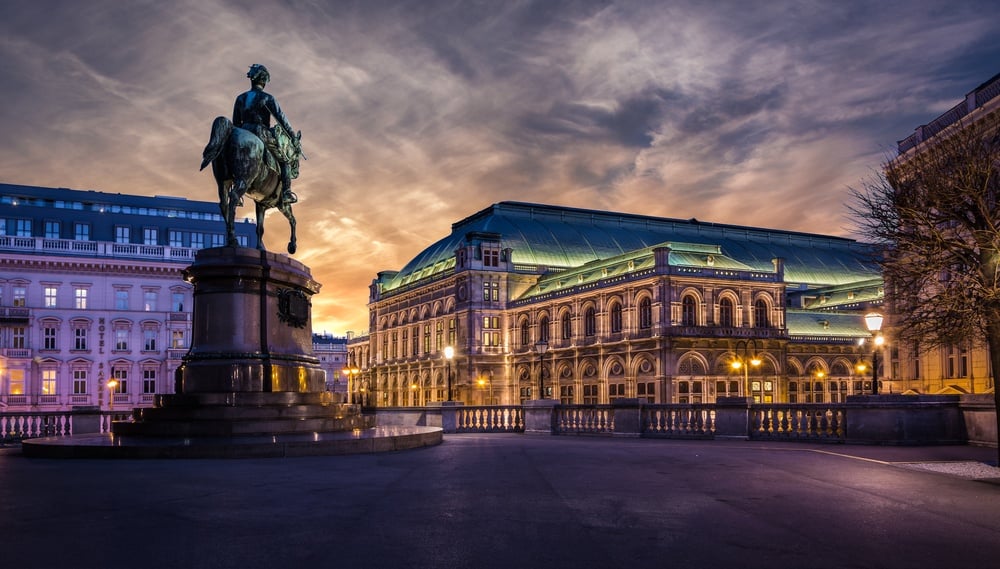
(92, 289)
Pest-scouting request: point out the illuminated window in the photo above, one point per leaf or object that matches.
(52, 230)
(48, 382)
(80, 298)
(50, 294)
(121, 339)
(177, 339)
(20, 296)
(452, 332)
(15, 384)
(149, 236)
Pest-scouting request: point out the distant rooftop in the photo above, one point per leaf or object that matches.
(562, 238)
(975, 99)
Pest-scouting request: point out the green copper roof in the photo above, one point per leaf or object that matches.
(563, 238)
(816, 324)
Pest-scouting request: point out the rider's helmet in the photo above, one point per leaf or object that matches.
(258, 74)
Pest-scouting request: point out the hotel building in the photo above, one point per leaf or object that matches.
(91, 290)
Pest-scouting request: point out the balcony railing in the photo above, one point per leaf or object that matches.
(96, 248)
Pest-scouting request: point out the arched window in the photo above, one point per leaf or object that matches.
(645, 314)
(567, 326)
(689, 311)
(525, 334)
(543, 329)
(616, 318)
(760, 314)
(725, 312)
(589, 322)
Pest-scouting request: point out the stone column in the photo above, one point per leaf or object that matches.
(540, 416)
(732, 418)
(627, 417)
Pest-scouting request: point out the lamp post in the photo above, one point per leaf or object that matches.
(482, 384)
(745, 360)
(449, 353)
(112, 384)
(873, 320)
(541, 347)
(352, 371)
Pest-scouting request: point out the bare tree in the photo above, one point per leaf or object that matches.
(934, 218)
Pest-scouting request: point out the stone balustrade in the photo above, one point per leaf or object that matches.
(15, 426)
(883, 419)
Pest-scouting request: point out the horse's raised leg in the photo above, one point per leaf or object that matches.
(286, 209)
(259, 209)
(238, 189)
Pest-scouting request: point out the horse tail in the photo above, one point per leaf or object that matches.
(221, 128)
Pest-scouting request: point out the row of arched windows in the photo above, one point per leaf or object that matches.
(615, 322)
(727, 312)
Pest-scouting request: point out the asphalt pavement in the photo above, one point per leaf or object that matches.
(513, 501)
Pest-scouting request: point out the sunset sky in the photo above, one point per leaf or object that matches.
(416, 114)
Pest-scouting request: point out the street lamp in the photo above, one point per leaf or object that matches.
(873, 320)
(482, 384)
(112, 384)
(748, 358)
(541, 347)
(449, 353)
(352, 371)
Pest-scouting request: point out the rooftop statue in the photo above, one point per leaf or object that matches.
(251, 158)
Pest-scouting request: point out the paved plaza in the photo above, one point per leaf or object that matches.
(513, 501)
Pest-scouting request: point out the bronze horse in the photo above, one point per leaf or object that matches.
(243, 167)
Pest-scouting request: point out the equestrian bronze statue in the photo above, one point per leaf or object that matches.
(251, 158)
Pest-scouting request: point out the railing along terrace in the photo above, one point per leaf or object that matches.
(490, 419)
(96, 248)
(799, 421)
(584, 419)
(15, 426)
(694, 420)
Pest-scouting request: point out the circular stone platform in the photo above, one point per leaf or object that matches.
(357, 441)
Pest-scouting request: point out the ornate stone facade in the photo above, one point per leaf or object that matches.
(592, 318)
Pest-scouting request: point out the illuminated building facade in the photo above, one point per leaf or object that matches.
(960, 368)
(589, 306)
(91, 290)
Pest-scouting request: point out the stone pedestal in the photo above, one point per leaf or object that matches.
(250, 385)
(250, 370)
